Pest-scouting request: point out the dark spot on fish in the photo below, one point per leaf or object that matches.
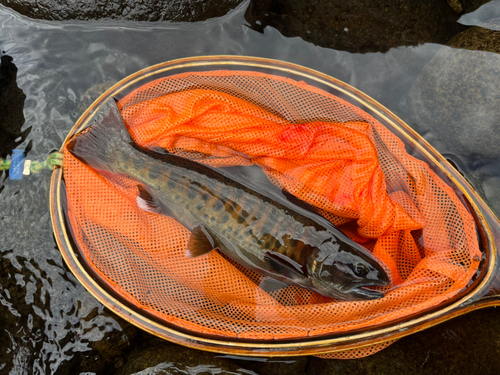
(218, 206)
(236, 232)
(192, 192)
(241, 219)
(139, 163)
(255, 240)
(176, 197)
(230, 229)
(225, 219)
(205, 197)
(293, 242)
(244, 214)
(172, 180)
(212, 219)
(199, 207)
(205, 216)
(277, 245)
(224, 192)
(187, 206)
(224, 232)
(267, 245)
(254, 218)
(154, 172)
(125, 166)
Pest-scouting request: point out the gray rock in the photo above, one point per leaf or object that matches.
(138, 10)
(457, 95)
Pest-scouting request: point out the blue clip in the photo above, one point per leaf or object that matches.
(17, 165)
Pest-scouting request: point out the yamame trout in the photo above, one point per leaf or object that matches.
(254, 230)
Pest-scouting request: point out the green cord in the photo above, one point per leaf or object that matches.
(53, 160)
(4, 164)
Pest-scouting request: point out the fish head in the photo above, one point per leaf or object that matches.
(346, 273)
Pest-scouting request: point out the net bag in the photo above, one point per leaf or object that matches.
(316, 146)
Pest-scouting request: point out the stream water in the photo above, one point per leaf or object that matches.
(50, 324)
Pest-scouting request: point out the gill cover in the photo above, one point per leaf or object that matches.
(346, 275)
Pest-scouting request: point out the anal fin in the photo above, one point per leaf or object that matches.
(200, 242)
(148, 201)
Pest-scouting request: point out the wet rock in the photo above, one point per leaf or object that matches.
(359, 25)
(485, 38)
(470, 342)
(28, 325)
(275, 366)
(137, 10)
(457, 95)
(466, 6)
(11, 108)
(472, 5)
(156, 356)
(456, 5)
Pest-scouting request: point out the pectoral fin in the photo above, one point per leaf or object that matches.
(200, 242)
(285, 266)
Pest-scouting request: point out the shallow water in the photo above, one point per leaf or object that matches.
(50, 323)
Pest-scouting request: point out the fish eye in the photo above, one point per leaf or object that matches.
(360, 270)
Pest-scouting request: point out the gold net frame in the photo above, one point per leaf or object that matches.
(379, 336)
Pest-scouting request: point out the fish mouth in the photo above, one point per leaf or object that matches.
(363, 292)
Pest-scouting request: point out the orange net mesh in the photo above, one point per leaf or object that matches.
(320, 148)
(357, 352)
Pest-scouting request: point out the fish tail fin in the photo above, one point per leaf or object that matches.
(93, 145)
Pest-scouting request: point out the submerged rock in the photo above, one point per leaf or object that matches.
(457, 95)
(137, 10)
(469, 342)
(456, 100)
(30, 328)
(155, 356)
(91, 95)
(358, 25)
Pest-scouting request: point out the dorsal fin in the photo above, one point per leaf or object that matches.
(200, 242)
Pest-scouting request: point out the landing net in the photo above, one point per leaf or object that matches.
(318, 147)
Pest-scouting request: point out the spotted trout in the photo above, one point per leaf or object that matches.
(271, 238)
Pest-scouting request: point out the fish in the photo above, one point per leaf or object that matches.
(295, 246)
